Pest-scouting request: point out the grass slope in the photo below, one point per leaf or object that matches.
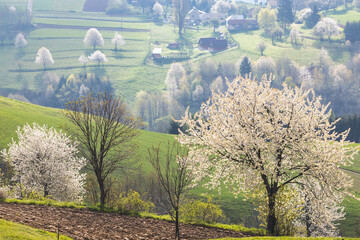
(14, 113)
(10, 230)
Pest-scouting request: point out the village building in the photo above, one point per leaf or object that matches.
(194, 16)
(157, 53)
(208, 16)
(173, 45)
(272, 3)
(238, 22)
(212, 44)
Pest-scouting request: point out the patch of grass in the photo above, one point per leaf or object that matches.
(343, 15)
(10, 230)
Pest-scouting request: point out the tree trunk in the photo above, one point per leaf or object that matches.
(271, 218)
(102, 190)
(177, 231)
(46, 191)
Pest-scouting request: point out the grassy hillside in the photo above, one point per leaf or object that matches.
(14, 113)
(10, 230)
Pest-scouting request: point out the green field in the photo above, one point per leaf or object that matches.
(10, 230)
(130, 70)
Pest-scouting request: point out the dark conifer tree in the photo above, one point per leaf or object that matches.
(245, 67)
(313, 19)
(285, 13)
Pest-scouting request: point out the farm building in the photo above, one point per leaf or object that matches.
(157, 53)
(238, 22)
(272, 3)
(173, 45)
(209, 16)
(194, 16)
(212, 44)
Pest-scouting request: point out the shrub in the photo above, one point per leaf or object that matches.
(3, 193)
(131, 202)
(198, 211)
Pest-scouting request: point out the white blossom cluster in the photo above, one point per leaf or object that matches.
(46, 161)
(44, 57)
(255, 137)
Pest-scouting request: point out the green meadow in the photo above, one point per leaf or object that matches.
(10, 230)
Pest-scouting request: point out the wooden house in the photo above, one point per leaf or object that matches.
(213, 44)
(238, 22)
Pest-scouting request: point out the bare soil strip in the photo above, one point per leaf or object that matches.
(85, 224)
(57, 26)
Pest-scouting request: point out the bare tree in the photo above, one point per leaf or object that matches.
(261, 47)
(175, 175)
(106, 130)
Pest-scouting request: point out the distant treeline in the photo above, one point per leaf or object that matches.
(12, 21)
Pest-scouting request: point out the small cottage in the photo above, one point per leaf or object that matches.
(238, 22)
(208, 16)
(272, 3)
(157, 53)
(212, 44)
(194, 16)
(173, 45)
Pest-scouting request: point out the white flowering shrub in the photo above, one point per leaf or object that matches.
(45, 161)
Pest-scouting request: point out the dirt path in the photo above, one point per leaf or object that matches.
(85, 224)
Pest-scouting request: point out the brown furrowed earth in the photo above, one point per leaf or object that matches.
(86, 224)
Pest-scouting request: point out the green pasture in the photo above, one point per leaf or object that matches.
(343, 15)
(10, 230)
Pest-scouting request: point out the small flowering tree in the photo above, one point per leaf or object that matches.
(118, 41)
(158, 9)
(83, 60)
(20, 41)
(98, 57)
(327, 27)
(46, 161)
(254, 137)
(93, 38)
(44, 57)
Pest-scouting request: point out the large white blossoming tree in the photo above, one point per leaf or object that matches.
(46, 161)
(256, 138)
(93, 38)
(44, 57)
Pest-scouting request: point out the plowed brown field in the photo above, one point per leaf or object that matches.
(86, 224)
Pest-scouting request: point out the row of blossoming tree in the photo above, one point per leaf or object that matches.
(277, 147)
(92, 38)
